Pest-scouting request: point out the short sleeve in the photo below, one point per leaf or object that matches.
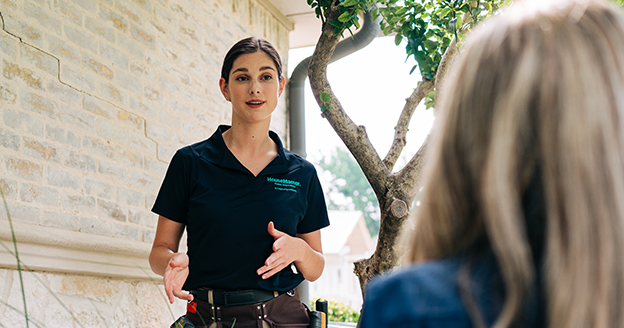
(172, 199)
(316, 215)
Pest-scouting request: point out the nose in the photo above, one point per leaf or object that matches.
(254, 89)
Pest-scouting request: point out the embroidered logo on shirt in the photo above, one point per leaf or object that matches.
(285, 184)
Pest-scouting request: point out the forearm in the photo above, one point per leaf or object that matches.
(159, 259)
(311, 264)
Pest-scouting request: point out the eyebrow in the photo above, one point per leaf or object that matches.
(263, 68)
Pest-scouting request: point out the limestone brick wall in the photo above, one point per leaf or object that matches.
(95, 97)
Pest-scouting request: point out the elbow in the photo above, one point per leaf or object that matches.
(319, 267)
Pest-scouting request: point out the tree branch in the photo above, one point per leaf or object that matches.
(445, 63)
(402, 126)
(353, 136)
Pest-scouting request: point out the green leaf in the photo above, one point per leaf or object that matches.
(350, 3)
(336, 23)
(413, 69)
(345, 17)
(445, 12)
(397, 39)
(401, 11)
(309, 2)
(325, 97)
(323, 109)
(459, 23)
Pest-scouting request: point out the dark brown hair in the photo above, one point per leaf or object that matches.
(247, 46)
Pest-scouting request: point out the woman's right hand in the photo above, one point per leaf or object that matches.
(175, 275)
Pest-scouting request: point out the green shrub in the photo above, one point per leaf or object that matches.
(340, 312)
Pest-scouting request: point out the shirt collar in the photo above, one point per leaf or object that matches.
(216, 152)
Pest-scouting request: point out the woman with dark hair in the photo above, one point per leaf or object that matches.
(521, 222)
(252, 210)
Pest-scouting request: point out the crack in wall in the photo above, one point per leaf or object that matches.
(58, 61)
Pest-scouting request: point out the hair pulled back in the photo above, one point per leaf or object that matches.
(247, 46)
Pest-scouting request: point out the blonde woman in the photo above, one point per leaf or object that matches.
(522, 215)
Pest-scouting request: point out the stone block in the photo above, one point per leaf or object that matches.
(142, 180)
(181, 76)
(129, 157)
(97, 66)
(145, 5)
(59, 134)
(128, 10)
(149, 235)
(7, 95)
(154, 94)
(79, 118)
(127, 232)
(62, 49)
(8, 44)
(189, 32)
(80, 161)
(157, 132)
(112, 210)
(155, 166)
(98, 146)
(40, 59)
(41, 150)
(21, 213)
(114, 55)
(96, 27)
(12, 4)
(112, 131)
(111, 169)
(80, 38)
(128, 82)
(62, 179)
(179, 10)
(113, 18)
(139, 141)
(65, 93)
(96, 227)
(178, 108)
(111, 92)
(77, 78)
(60, 220)
(99, 107)
(50, 24)
(156, 28)
(146, 109)
(167, 84)
(130, 197)
(149, 200)
(9, 140)
(165, 153)
(99, 189)
(27, 32)
(9, 188)
(139, 34)
(140, 70)
(78, 203)
(24, 75)
(38, 104)
(88, 5)
(69, 12)
(30, 193)
(134, 121)
(24, 169)
(129, 46)
(142, 217)
(164, 14)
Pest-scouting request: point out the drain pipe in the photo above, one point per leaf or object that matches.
(296, 99)
(296, 85)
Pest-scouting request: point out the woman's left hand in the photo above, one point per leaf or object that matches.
(286, 250)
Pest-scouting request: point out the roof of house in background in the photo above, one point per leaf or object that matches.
(346, 228)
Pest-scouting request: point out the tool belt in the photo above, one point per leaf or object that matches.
(236, 297)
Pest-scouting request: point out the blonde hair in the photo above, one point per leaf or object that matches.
(537, 93)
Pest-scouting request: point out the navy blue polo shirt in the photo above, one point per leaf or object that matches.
(226, 210)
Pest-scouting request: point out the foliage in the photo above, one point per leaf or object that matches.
(429, 25)
(339, 312)
(349, 180)
(348, 10)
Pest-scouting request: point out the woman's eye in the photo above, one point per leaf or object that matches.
(267, 77)
(241, 78)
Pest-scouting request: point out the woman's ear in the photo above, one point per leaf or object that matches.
(282, 85)
(223, 86)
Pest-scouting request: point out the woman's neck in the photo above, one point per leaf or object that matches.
(249, 138)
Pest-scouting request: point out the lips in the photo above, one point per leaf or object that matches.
(255, 103)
